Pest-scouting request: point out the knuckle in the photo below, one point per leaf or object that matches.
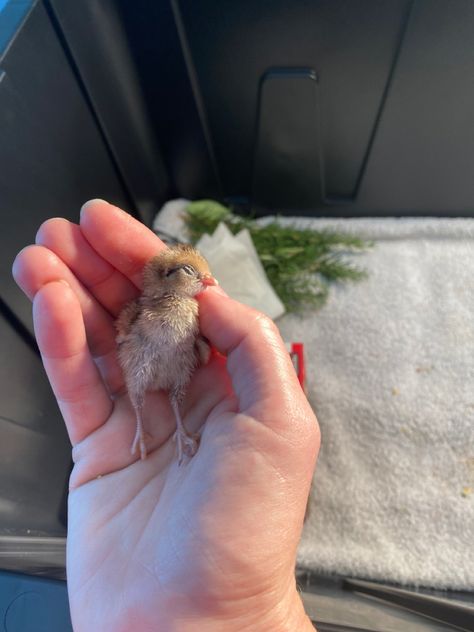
(265, 325)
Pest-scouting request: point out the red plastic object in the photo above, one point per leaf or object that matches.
(297, 357)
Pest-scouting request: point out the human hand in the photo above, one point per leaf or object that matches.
(210, 545)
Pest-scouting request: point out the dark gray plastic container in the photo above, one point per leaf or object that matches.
(313, 107)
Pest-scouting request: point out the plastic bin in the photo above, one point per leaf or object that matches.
(324, 107)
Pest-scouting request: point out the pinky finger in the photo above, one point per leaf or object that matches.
(73, 375)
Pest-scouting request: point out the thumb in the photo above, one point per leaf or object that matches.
(262, 374)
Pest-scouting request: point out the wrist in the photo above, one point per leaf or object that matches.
(284, 615)
(297, 620)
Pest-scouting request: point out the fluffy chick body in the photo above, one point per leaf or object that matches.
(158, 336)
(158, 351)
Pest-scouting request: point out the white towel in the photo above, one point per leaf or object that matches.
(390, 373)
(390, 366)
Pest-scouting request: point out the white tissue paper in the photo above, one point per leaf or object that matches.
(236, 265)
(170, 219)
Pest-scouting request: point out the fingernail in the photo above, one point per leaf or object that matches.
(90, 202)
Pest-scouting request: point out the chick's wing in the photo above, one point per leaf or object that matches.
(125, 320)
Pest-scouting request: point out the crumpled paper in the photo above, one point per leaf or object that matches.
(232, 258)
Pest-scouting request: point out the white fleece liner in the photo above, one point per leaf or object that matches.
(390, 366)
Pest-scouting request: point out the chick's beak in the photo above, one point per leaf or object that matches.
(208, 279)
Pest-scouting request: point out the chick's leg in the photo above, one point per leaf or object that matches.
(140, 434)
(186, 442)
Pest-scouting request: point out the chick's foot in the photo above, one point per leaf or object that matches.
(187, 444)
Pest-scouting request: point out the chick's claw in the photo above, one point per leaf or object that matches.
(187, 444)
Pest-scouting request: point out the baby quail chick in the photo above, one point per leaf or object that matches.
(158, 336)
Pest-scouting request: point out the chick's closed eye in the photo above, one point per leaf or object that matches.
(186, 268)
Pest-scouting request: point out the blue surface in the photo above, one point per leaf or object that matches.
(12, 13)
(33, 604)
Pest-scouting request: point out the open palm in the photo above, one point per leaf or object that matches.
(209, 545)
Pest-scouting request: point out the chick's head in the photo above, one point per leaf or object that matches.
(179, 269)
